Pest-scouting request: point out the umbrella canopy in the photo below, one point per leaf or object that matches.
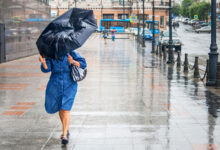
(66, 33)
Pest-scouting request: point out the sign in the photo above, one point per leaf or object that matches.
(133, 18)
(53, 13)
(196, 17)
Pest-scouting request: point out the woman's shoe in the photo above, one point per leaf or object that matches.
(64, 140)
(68, 135)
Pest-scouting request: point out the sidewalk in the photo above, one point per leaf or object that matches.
(130, 100)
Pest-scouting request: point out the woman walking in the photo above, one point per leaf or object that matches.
(61, 89)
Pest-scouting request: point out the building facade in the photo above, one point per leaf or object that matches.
(23, 21)
(115, 9)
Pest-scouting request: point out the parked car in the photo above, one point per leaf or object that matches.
(185, 21)
(147, 34)
(201, 24)
(164, 39)
(204, 29)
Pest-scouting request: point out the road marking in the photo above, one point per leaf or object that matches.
(13, 113)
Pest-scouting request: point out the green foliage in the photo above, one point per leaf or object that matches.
(201, 9)
(185, 7)
(176, 9)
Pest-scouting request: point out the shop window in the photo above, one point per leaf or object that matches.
(108, 16)
(120, 16)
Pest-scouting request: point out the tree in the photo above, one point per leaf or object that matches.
(185, 7)
(176, 10)
(201, 9)
(193, 10)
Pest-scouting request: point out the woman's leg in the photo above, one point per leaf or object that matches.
(65, 119)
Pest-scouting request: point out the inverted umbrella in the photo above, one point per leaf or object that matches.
(66, 33)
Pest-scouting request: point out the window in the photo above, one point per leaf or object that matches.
(108, 16)
(140, 16)
(161, 21)
(120, 16)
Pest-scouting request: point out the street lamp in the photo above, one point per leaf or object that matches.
(170, 46)
(153, 40)
(143, 40)
(123, 9)
(138, 23)
(213, 55)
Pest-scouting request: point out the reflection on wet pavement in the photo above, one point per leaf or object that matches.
(130, 100)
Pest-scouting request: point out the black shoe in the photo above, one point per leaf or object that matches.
(68, 135)
(64, 140)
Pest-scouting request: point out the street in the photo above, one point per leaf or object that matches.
(195, 44)
(130, 100)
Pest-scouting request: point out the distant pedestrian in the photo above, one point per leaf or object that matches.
(61, 89)
(113, 36)
(105, 35)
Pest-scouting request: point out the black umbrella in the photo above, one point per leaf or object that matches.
(66, 33)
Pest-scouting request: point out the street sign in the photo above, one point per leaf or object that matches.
(133, 18)
(196, 17)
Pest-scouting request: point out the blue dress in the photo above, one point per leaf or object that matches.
(61, 89)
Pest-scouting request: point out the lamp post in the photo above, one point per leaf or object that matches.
(170, 46)
(75, 2)
(123, 9)
(153, 40)
(138, 23)
(213, 55)
(143, 40)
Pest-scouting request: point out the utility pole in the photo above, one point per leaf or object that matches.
(153, 40)
(143, 40)
(213, 55)
(170, 50)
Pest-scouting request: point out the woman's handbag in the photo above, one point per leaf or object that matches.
(77, 73)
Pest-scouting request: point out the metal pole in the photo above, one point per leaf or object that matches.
(2, 43)
(123, 9)
(143, 40)
(75, 3)
(170, 50)
(138, 21)
(213, 55)
(153, 40)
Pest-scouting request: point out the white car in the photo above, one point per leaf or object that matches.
(164, 40)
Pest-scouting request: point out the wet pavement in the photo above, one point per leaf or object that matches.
(130, 100)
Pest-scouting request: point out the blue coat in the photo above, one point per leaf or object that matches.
(61, 89)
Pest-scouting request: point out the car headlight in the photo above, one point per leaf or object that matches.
(177, 42)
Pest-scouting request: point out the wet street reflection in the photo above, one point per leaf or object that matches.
(130, 100)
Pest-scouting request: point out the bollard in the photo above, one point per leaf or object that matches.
(196, 68)
(217, 84)
(160, 51)
(164, 55)
(178, 65)
(186, 64)
(207, 70)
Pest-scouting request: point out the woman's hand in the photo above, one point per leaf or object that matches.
(43, 61)
(73, 62)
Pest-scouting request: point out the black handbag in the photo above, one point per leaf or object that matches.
(77, 73)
